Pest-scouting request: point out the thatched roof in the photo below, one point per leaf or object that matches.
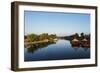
(84, 39)
(75, 40)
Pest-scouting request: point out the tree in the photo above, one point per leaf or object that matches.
(76, 35)
(32, 37)
(43, 36)
(82, 35)
(53, 36)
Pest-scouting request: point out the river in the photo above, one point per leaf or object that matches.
(56, 51)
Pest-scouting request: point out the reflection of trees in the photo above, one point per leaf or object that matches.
(35, 47)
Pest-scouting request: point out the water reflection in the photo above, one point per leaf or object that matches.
(76, 48)
(59, 50)
(35, 47)
(80, 46)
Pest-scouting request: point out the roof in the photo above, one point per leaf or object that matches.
(75, 40)
(84, 40)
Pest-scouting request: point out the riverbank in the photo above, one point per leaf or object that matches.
(28, 44)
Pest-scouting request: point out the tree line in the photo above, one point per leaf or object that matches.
(77, 36)
(44, 36)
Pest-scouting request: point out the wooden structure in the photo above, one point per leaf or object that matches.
(85, 43)
(75, 43)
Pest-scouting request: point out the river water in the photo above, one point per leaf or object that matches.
(56, 51)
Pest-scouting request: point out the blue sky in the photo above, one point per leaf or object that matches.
(56, 23)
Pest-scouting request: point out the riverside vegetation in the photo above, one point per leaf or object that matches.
(75, 39)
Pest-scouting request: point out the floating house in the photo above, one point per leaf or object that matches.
(75, 43)
(85, 43)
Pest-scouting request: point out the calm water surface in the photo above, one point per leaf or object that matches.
(56, 51)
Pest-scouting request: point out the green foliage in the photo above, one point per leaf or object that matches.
(32, 37)
(53, 36)
(82, 35)
(43, 36)
(76, 35)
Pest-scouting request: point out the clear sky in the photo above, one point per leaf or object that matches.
(56, 23)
